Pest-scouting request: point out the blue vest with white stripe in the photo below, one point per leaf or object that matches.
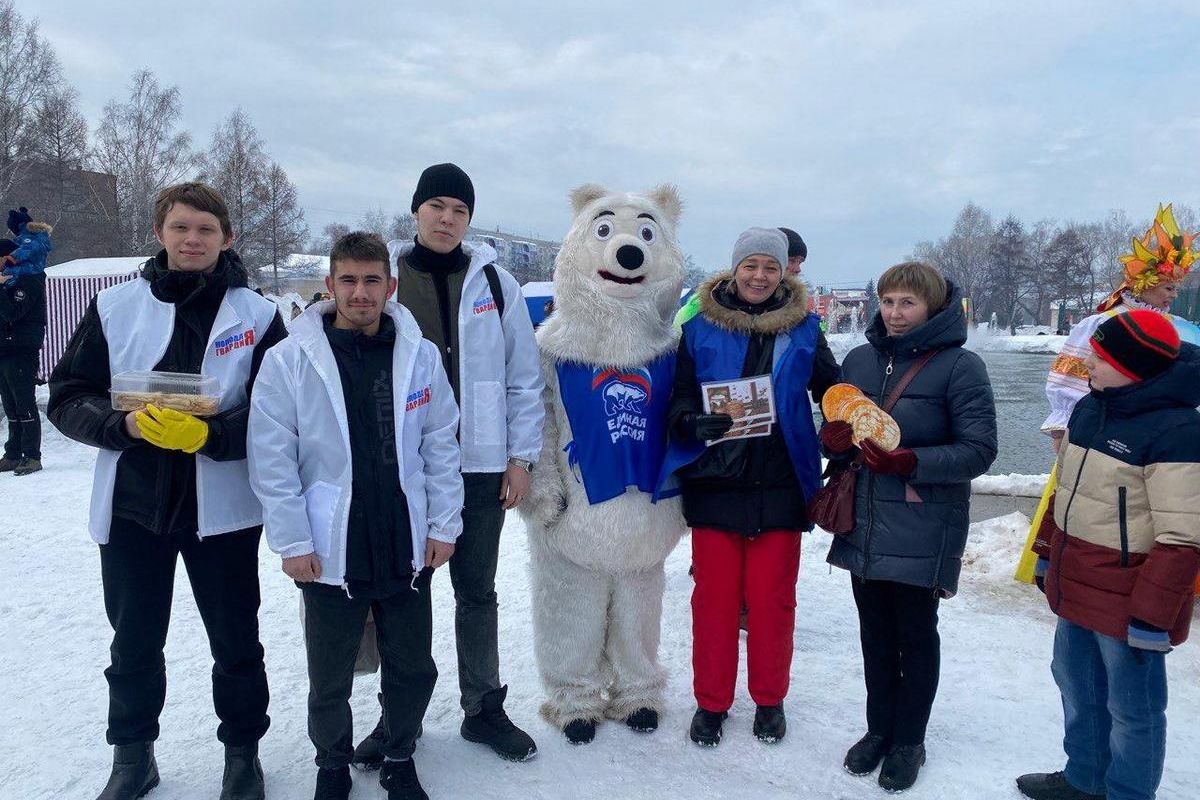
(720, 355)
(618, 424)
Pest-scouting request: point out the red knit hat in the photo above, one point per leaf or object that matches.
(1138, 344)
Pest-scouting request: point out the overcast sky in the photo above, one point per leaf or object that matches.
(864, 125)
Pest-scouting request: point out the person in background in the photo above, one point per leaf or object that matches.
(797, 251)
(1118, 557)
(169, 485)
(22, 330)
(360, 528)
(911, 505)
(1153, 272)
(745, 498)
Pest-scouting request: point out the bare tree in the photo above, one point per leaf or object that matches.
(285, 230)
(329, 234)
(60, 136)
(138, 144)
(376, 221)
(1007, 256)
(404, 226)
(29, 70)
(236, 165)
(964, 256)
(1069, 266)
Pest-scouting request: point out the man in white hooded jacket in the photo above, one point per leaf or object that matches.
(354, 456)
(473, 312)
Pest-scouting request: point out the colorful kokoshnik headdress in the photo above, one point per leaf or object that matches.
(1163, 253)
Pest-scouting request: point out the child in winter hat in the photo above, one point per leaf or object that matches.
(1119, 551)
(30, 248)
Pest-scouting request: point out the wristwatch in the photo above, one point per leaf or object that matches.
(522, 463)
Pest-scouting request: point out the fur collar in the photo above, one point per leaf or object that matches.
(784, 318)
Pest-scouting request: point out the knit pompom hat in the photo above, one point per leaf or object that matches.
(1139, 344)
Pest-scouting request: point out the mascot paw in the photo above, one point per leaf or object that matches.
(644, 720)
(580, 731)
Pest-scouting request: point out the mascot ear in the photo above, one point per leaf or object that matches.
(588, 193)
(666, 197)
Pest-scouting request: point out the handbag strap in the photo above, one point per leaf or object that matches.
(907, 378)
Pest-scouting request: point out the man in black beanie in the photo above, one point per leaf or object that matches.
(797, 251)
(473, 311)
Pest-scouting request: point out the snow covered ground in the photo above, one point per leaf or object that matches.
(1012, 485)
(997, 715)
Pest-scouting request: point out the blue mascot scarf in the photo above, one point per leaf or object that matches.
(619, 422)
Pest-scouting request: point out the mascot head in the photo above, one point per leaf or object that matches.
(617, 277)
(621, 256)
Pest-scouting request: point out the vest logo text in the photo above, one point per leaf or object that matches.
(419, 398)
(234, 342)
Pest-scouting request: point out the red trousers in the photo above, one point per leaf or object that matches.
(730, 570)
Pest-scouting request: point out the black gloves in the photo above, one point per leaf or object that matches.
(708, 426)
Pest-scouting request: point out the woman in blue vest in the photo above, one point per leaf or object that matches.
(745, 498)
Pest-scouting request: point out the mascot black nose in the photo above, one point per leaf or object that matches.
(630, 256)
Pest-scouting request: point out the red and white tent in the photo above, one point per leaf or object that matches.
(69, 288)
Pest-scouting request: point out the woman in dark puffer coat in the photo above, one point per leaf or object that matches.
(911, 506)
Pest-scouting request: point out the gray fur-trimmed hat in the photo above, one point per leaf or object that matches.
(769, 242)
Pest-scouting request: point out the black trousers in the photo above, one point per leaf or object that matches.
(333, 627)
(901, 656)
(138, 571)
(17, 372)
(473, 576)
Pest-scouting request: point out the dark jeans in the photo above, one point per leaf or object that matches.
(333, 628)
(901, 656)
(1115, 713)
(473, 575)
(17, 371)
(138, 571)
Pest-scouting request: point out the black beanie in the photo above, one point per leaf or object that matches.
(445, 180)
(796, 245)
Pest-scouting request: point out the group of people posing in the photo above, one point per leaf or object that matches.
(378, 439)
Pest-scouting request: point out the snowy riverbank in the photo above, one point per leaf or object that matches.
(998, 713)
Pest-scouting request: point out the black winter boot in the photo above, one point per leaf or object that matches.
(28, 466)
(580, 731)
(491, 726)
(243, 779)
(368, 756)
(901, 766)
(644, 720)
(1052, 786)
(333, 783)
(400, 780)
(706, 727)
(134, 772)
(865, 755)
(770, 724)
(9, 464)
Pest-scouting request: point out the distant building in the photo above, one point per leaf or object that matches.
(527, 259)
(80, 204)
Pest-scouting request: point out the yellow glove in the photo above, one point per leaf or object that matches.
(171, 429)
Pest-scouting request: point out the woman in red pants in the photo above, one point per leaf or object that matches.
(745, 454)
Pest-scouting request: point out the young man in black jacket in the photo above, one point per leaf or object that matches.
(22, 329)
(170, 484)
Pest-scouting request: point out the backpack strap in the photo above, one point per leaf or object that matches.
(493, 279)
(907, 378)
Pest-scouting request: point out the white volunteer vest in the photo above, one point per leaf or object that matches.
(138, 328)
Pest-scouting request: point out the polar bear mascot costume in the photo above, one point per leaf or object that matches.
(597, 540)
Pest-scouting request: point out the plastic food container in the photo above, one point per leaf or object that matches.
(198, 395)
